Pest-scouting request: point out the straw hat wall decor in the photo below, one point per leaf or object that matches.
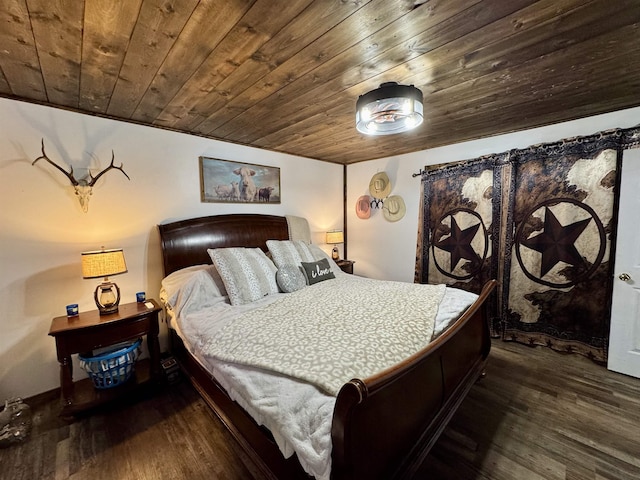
(380, 186)
(393, 207)
(363, 207)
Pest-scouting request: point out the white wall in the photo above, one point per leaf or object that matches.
(43, 230)
(386, 250)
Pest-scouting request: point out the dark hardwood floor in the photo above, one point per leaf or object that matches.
(538, 414)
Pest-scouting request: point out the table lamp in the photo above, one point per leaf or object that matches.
(333, 238)
(104, 263)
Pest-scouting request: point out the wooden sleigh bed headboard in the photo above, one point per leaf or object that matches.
(185, 243)
(383, 426)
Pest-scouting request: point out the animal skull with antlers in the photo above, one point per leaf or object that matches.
(84, 186)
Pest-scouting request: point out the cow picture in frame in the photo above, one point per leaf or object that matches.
(224, 181)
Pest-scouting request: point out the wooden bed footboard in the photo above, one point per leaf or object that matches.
(384, 426)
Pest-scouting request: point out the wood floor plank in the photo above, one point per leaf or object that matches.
(561, 409)
(537, 415)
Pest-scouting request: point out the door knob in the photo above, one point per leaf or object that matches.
(625, 277)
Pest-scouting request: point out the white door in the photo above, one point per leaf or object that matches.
(624, 338)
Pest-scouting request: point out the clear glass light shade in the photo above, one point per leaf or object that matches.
(390, 109)
(107, 295)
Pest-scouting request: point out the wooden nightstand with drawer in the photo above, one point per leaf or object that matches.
(345, 265)
(90, 330)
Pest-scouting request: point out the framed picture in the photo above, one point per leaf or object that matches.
(223, 181)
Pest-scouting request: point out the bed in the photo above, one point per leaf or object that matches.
(380, 426)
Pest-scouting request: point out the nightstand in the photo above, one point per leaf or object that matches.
(345, 265)
(90, 330)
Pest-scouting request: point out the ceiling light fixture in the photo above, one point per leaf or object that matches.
(392, 108)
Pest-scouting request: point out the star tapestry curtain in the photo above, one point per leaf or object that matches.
(541, 221)
(458, 241)
(557, 288)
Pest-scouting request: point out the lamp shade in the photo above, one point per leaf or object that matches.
(335, 237)
(390, 109)
(103, 263)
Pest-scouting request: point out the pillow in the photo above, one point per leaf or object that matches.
(289, 252)
(290, 278)
(192, 289)
(317, 271)
(206, 277)
(247, 273)
(298, 228)
(319, 254)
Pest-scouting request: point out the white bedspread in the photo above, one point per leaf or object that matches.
(333, 331)
(298, 414)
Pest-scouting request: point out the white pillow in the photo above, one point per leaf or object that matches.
(193, 288)
(248, 275)
(173, 283)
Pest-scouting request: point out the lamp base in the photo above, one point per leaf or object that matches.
(108, 310)
(335, 254)
(106, 299)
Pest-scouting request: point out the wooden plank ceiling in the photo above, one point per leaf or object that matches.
(285, 75)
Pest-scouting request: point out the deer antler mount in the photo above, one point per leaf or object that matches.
(84, 186)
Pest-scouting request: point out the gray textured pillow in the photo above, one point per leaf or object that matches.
(290, 278)
(319, 254)
(248, 275)
(317, 271)
(289, 252)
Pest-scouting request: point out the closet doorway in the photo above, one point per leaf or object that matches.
(624, 337)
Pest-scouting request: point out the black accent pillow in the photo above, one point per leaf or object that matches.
(317, 271)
